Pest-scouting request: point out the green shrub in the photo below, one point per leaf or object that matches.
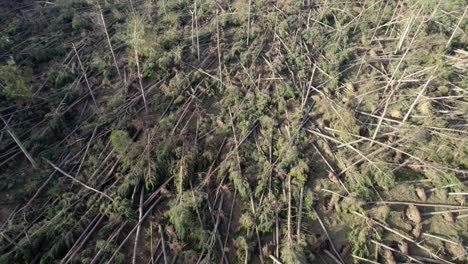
(80, 22)
(15, 84)
(182, 216)
(121, 141)
(41, 53)
(59, 78)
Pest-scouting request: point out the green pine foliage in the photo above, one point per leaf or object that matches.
(183, 217)
(15, 84)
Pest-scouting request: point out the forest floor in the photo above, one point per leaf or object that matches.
(233, 131)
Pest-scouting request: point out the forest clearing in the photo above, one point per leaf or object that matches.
(233, 131)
